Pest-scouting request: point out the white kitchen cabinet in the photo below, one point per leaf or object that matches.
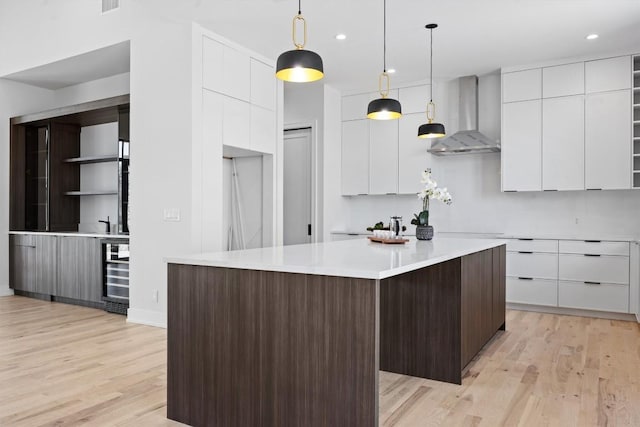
(354, 107)
(263, 85)
(532, 245)
(225, 70)
(532, 265)
(522, 146)
(608, 140)
(263, 129)
(383, 157)
(563, 143)
(563, 80)
(355, 157)
(236, 132)
(594, 296)
(601, 268)
(532, 291)
(522, 85)
(413, 157)
(594, 247)
(414, 99)
(608, 74)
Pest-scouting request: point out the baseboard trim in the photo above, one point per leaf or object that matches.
(574, 312)
(147, 317)
(6, 292)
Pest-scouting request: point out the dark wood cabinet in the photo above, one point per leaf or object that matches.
(80, 269)
(499, 287)
(22, 262)
(64, 211)
(46, 264)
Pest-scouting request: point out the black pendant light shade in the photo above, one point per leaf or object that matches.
(384, 108)
(299, 65)
(431, 129)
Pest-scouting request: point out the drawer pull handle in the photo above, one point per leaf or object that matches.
(593, 283)
(593, 241)
(524, 252)
(525, 278)
(527, 240)
(592, 255)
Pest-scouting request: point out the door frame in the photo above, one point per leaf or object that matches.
(316, 218)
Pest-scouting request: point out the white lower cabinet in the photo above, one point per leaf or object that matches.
(532, 265)
(532, 291)
(594, 268)
(590, 296)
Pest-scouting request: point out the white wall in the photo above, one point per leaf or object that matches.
(478, 205)
(98, 140)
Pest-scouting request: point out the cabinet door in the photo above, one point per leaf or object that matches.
(522, 85)
(563, 80)
(226, 70)
(354, 107)
(608, 140)
(414, 99)
(383, 167)
(263, 85)
(413, 157)
(22, 258)
(522, 146)
(355, 157)
(563, 143)
(608, 74)
(498, 313)
(263, 130)
(80, 269)
(236, 123)
(46, 264)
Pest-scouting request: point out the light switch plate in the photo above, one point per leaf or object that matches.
(172, 214)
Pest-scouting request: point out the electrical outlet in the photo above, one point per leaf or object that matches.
(156, 296)
(577, 221)
(172, 214)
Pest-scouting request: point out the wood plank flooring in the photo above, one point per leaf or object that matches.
(67, 365)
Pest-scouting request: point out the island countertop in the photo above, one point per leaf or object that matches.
(357, 258)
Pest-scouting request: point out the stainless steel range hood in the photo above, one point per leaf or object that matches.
(468, 140)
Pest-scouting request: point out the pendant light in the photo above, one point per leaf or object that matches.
(431, 129)
(384, 108)
(299, 65)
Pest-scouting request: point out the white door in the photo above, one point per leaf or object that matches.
(297, 186)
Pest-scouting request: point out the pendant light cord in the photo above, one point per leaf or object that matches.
(299, 7)
(431, 66)
(384, 43)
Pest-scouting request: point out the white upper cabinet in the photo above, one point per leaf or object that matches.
(413, 157)
(354, 107)
(383, 166)
(563, 143)
(522, 85)
(236, 129)
(522, 146)
(608, 74)
(225, 70)
(355, 157)
(563, 80)
(263, 129)
(414, 99)
(263, 85)
(608, 140)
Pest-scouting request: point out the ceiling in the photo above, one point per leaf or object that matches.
(89, 66)
(474, 37)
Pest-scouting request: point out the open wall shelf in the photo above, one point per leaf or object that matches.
(92, 159)
(92, 193)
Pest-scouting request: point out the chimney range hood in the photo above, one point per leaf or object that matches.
(468, 140)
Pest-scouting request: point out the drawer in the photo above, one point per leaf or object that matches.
(532, 265)
(596, 247)
(600, 268)
(532, 245)
(603, 297)
(532, 291)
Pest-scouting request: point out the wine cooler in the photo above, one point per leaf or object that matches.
(116, 275)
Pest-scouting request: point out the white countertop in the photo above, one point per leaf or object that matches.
(72, 234)
(357, 258)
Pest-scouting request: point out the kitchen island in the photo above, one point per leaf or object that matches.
(296, 335)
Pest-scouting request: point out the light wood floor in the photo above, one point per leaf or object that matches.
(67, 365)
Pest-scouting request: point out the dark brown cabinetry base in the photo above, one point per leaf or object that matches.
(282, 349)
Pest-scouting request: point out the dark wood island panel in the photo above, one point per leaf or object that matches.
(260, 348)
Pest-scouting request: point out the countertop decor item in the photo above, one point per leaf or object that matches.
(431, 191)
(299, 65)
(391, 241)
(380, 226)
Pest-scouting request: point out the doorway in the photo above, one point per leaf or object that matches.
(298, 186)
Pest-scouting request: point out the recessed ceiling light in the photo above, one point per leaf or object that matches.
(592, 37)
(341, 36)
(391, 70)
